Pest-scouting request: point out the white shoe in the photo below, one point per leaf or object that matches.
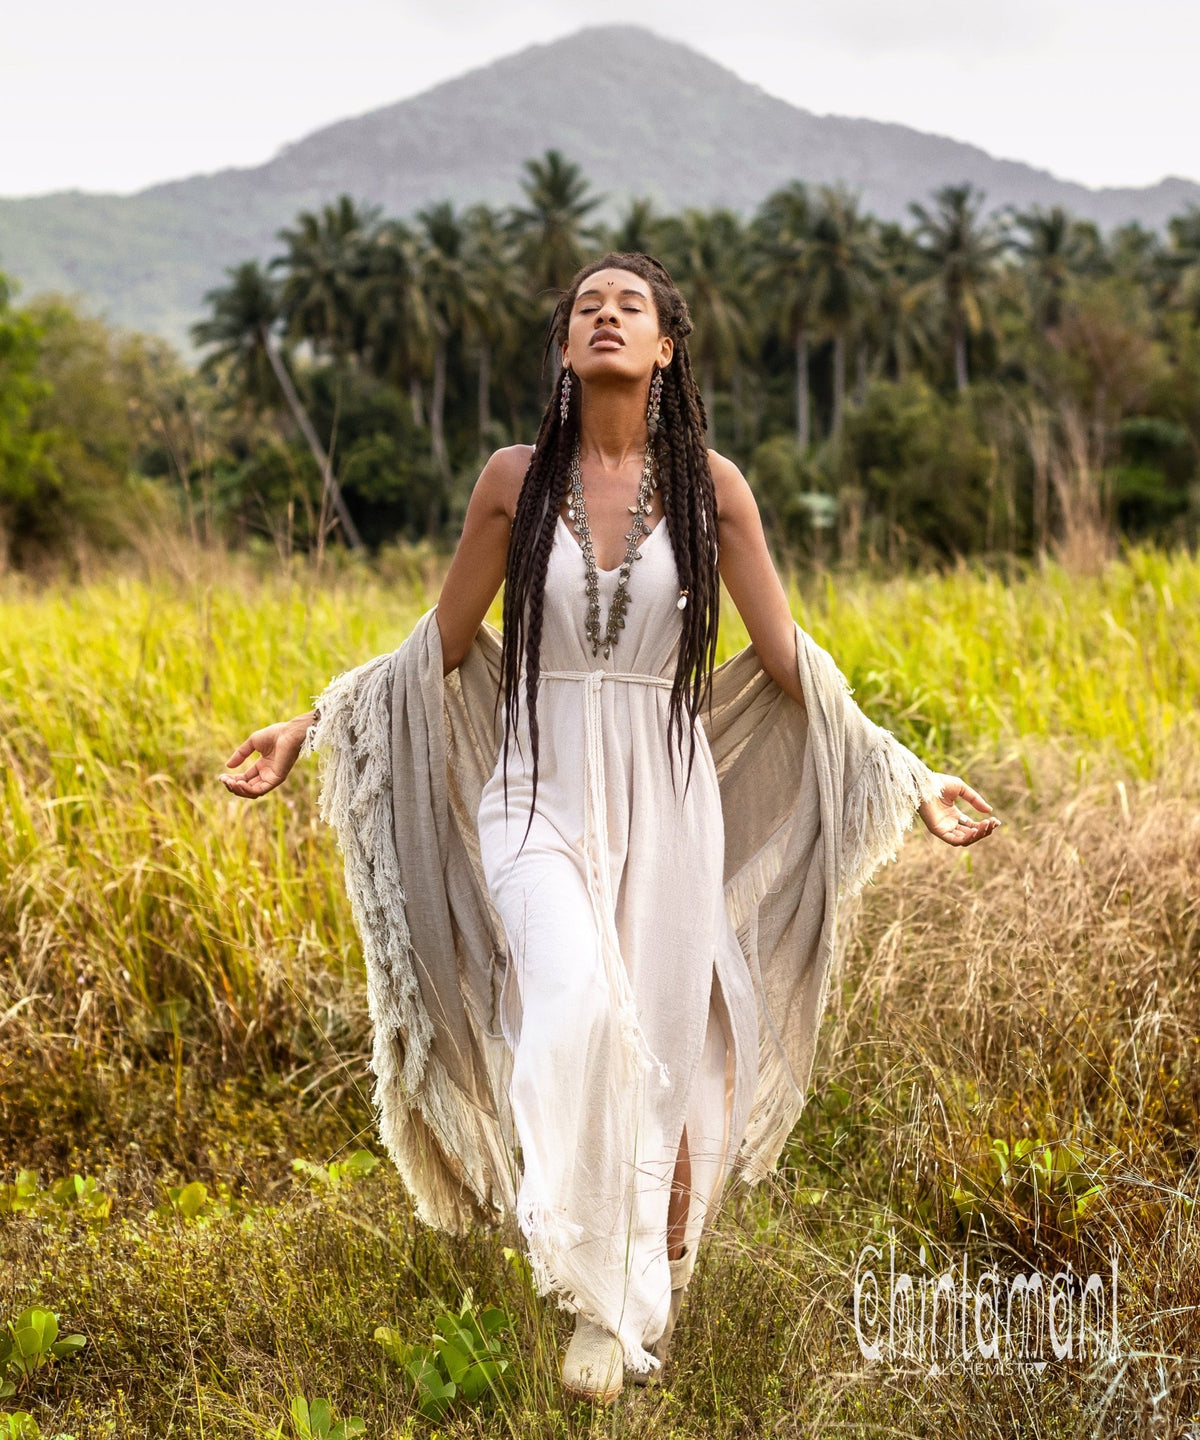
(594, 1366)
(681, 1273)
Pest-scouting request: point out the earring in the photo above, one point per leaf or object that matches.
(564, 401)
(656, 384)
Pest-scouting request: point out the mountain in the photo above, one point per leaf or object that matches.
(641, 114)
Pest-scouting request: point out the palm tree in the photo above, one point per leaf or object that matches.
(1182, 261)
(708, 253)
(244, 315)
(1135, 253)
(843, 264)
(1054, 246)
(638, 229)
(496, 301)
(781, 237)
(325, 265)
(550, 228)
(959, 252)
(451, 297)
(899, 325)
(398, 327)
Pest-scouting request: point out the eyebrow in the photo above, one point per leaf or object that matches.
(641, 294)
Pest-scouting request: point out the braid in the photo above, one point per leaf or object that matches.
(689, 503)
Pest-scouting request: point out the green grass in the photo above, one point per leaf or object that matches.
(181, 1000)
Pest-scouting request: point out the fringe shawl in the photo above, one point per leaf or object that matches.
(814, 799)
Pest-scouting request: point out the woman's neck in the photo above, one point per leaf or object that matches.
(612, 430)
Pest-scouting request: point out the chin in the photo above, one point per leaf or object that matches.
(610, 365)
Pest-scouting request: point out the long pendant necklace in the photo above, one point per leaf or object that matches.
(577, 512)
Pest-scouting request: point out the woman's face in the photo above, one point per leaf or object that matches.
(613, 328)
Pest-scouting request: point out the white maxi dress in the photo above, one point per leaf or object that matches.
(628, 1005)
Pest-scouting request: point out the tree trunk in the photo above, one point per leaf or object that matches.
(331, 488)
(485, 383)
(803, 423)
(839, 384)
(437, 408)
(961, 378)
(860, 373)
(418, 401)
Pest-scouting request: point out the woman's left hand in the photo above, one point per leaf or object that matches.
(944, 819)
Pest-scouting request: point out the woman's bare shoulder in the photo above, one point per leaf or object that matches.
(729, 484)
(505, 473)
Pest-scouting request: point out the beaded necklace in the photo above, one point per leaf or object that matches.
(576, 511)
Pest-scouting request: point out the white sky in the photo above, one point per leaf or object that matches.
(118, 94)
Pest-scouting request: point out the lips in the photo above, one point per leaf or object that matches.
(604, 339)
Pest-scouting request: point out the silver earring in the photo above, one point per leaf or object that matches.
(564, 401)
(656, 384)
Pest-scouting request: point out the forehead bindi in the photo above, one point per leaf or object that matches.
(619, 284)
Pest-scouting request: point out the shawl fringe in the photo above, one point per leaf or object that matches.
(833, 792)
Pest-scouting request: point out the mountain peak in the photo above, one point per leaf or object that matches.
(643, 115)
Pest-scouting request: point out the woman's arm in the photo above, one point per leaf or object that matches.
(751, 578)
(754, 587)
(477, 570)
(475, 574)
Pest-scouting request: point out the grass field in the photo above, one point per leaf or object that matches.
(1009, 1067)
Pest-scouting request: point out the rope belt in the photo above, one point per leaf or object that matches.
(595, 849)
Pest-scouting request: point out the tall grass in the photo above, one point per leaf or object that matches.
(181, 997)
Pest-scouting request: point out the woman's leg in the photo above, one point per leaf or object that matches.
(677, 1209)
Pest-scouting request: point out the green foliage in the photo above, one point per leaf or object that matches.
(22, 1426)
(22, 448)
(31, 1344)
(905, 362)
(318, 1421)
(70, 1196)
(922, 469)
(337, 1172)
(466, 1359)
(1029, 1184)
(72, 400)
(194, 1204)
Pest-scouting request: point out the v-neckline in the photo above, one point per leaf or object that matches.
(612, 570)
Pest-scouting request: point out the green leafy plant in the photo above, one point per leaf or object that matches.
(21, 1425)
(1036, 1180)
(465, 1360)
(32, 1342)
(337, 1172)
(317, 1421)
(72, 1195)
(194, 1204)
(20, 1195)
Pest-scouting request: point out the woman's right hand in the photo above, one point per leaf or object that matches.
(278, 746)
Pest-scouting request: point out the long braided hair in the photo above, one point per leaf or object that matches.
(689, 501)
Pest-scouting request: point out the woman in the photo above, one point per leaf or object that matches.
(661, 955)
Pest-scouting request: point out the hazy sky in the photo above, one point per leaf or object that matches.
(118, 94)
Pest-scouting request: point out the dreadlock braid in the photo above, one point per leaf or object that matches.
(690, 513)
